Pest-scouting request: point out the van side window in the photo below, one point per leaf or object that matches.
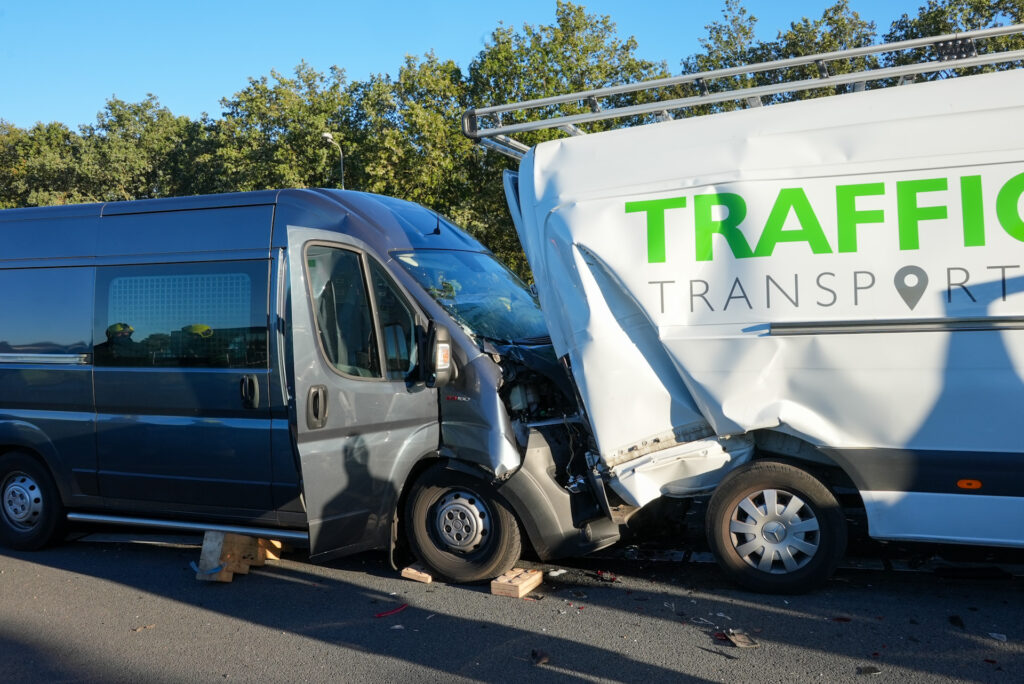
(46, 311)
(341, 307)
(397, 324)
(200, 315)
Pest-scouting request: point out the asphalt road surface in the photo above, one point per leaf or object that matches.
(116, 611)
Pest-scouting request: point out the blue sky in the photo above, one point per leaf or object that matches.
(62, 60)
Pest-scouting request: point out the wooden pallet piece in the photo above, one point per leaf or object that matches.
(211, 568)
(225, 555)
(517, 583)
(239, 552)
(418, 573)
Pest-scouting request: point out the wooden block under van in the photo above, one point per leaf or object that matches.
(211, 568)
(225, 554)
(239, 552)
(517, 583)
(272, 549)
(416, 572)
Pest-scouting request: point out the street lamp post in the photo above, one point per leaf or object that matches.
(329, 139)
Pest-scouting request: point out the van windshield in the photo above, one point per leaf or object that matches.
(478, 292)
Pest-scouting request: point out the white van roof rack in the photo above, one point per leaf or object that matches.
(953, 50)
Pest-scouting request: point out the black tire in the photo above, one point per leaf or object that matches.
(460, 528)
(31, 512)
(774, 528)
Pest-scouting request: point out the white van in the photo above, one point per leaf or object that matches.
(799, 307)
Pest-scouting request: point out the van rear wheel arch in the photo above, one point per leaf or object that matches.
(32, 513)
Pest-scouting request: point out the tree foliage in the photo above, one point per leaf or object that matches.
(732, 43)
(939, 17)
(269, 134)
(401, 135)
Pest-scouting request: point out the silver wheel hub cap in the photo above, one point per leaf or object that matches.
(462, 521)
(22, 501)
(774, 531)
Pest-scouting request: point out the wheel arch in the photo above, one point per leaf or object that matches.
(436, 459)
(24, 437)
(838, 475)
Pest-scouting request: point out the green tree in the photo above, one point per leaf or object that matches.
(12, 166)
(134, 151)
(579, 51)
(41, 166)
(406, 139)
(269, 135)
(839, 28)
(731, 43)
(939, 17)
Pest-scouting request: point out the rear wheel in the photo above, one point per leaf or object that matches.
(31, 513)
(775, 528)
(460, 527)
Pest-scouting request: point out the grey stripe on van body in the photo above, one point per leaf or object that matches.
(898, 325)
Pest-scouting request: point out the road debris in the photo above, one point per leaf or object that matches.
(517, 583)
(868, 670)
(997, 636)
(957, 621)
(557, 573)
(395, 611)
(139, 629)
(740, 639)
(417, 573)
(539, 657)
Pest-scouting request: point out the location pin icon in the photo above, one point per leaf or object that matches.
(911, 282)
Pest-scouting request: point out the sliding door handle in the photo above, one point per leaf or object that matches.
(250, 387)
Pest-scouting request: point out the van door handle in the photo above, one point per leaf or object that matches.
(316, 407)
(250, 388)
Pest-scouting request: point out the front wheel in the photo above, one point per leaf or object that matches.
(460, 527)
(31, 512)
(775, 528)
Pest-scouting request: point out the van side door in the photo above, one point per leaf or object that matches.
(362, 417)
(181, 382)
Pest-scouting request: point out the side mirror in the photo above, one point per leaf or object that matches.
(439, 367)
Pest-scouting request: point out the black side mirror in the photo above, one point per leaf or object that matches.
(440, 370)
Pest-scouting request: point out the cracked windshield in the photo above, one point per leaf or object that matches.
(479, 292)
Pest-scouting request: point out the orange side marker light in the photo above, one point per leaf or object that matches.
(969, 484)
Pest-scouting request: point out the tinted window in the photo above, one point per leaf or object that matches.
(206, 315)
(46, 310)
(341, 306)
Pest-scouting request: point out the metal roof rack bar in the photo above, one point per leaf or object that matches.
(954, 50)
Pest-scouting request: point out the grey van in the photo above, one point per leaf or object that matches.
(330, 368)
